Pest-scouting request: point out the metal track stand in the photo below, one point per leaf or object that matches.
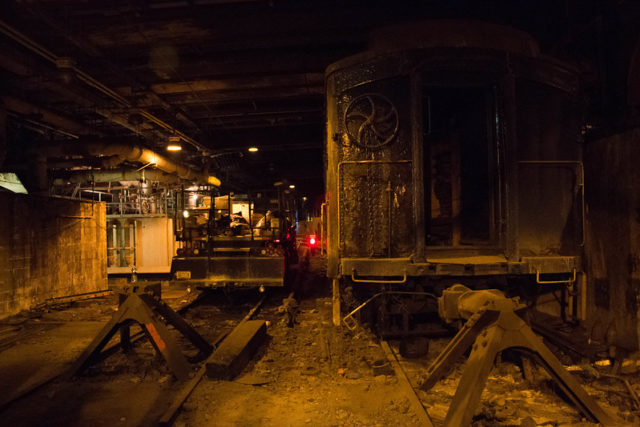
(144, 306)
(494, 327)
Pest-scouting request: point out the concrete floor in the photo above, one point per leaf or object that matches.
(311, 374)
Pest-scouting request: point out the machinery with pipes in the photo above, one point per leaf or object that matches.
(453, 156)
(140, 223)
(140, 198)
(234, 239)
(140, 216)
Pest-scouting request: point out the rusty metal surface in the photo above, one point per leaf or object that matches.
(377, 137)
(144, 306)
(377, 193)
(494, 327)
(613, 239)
(479, 265)
(550, 175)
(220, 270)
(266, 270)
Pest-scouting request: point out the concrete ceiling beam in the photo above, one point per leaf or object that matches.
(52, 118)
(88, 80)
(232, 84)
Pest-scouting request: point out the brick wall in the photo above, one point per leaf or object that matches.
(49, 247)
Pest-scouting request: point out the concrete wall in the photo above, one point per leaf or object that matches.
(612, 249)
(49, 248)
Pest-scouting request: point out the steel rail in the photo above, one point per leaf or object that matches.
(170, 414)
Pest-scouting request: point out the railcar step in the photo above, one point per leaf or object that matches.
(236, 350)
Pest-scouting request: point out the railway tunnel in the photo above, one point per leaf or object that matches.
(247, 212)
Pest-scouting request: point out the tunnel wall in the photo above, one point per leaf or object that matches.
(612, 184)
(49, 248)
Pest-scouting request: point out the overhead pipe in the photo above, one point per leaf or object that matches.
(84, 177)
(120, 153)
(113, 155)
(87, 79)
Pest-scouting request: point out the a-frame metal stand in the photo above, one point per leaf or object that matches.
(144, 306)
(491, 330)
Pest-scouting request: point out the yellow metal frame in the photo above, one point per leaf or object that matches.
(353, 279)
(553, 282)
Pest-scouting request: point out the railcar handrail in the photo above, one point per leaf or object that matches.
(323, 231)
(354, 280)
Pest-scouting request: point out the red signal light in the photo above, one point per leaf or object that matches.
(312, 240)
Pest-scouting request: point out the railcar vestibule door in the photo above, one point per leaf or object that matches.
(459, 166)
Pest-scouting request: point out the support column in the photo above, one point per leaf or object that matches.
(511, 165)
(3, 135)
(337, 318)
(38, 166)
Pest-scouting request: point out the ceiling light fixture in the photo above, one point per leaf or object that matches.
(174, 143)
(253, 149)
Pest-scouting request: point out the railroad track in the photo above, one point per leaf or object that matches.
(406, 386)
(182, 389)
(170, 414)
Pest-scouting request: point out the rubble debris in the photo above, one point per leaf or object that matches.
(381, 367)
(492, 326)
(290, 308)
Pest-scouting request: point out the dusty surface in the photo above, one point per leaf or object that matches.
(311, 374)
(308, 374)
(119, 389)
(314, 374)
(509, 399)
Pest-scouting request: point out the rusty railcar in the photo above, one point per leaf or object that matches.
(453, 154)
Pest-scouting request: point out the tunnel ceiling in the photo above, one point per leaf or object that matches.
(224, 75)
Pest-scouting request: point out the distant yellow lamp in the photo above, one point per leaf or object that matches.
(253, 149)
(292, 186)
(174, 147)
(212, 180)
